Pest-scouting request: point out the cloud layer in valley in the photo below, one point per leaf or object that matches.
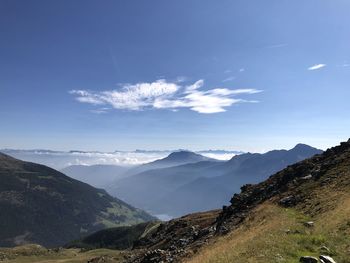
(162, 94)
(60, 160)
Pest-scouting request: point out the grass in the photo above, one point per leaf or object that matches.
(31, 254)
(275, 234)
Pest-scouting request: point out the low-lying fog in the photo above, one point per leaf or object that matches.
(59, 160)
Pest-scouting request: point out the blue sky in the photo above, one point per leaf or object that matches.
(103, 75)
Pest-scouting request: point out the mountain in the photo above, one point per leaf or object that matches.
(206, 193)
(41, 205)
(299, 214)
(173, 159)
(96, 175)
(204, 185)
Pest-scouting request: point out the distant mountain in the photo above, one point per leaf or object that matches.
(173, 159)
(96, 175)
(41, 205)
(206, 193)
(205, 185)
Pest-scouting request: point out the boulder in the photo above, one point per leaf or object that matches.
(309, 224)
(326, 259)
(308, 259)
(288, 201)
(305, 178)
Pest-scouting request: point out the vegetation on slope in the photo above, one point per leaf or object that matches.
(46, 207)
(115, 238)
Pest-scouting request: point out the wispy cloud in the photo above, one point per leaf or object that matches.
(166, 95)
(229, 79)
(277, 45)
(100, 110)
(181, 79)
(317, 66)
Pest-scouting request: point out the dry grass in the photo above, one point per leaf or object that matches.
(275, 234)
(31, 254)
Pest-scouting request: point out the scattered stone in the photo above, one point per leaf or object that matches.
(288, 201)
(305, 178)
(326, 259)
(308, 259)
(309, 224)
(223, 230)
(97, 260)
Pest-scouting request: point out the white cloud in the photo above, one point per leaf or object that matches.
(317, 66)
(166, 95)
(229, 79)
(181, 79)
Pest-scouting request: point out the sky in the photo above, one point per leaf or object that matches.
(246, 75)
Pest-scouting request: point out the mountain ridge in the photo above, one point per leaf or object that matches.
(203, 185)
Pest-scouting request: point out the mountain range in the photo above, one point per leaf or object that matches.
(299, 214)
(202, 185)
(41, 205)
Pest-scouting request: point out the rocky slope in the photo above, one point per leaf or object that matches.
(41, 205)
(301, 211)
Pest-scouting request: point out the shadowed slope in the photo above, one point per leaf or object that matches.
(41, 205)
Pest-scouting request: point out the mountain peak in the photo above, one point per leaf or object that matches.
(304, 148)
(182, 155)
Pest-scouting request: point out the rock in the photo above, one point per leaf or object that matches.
(308, 259)
(223, 230)
(288, 201)
(157, 255)
(183, 242)
(309, 224)
(326, 259)
(97, 260)
(305, 178)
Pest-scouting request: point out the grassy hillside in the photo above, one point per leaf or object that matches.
(38, 254)
(115, 238)
(41, 205)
